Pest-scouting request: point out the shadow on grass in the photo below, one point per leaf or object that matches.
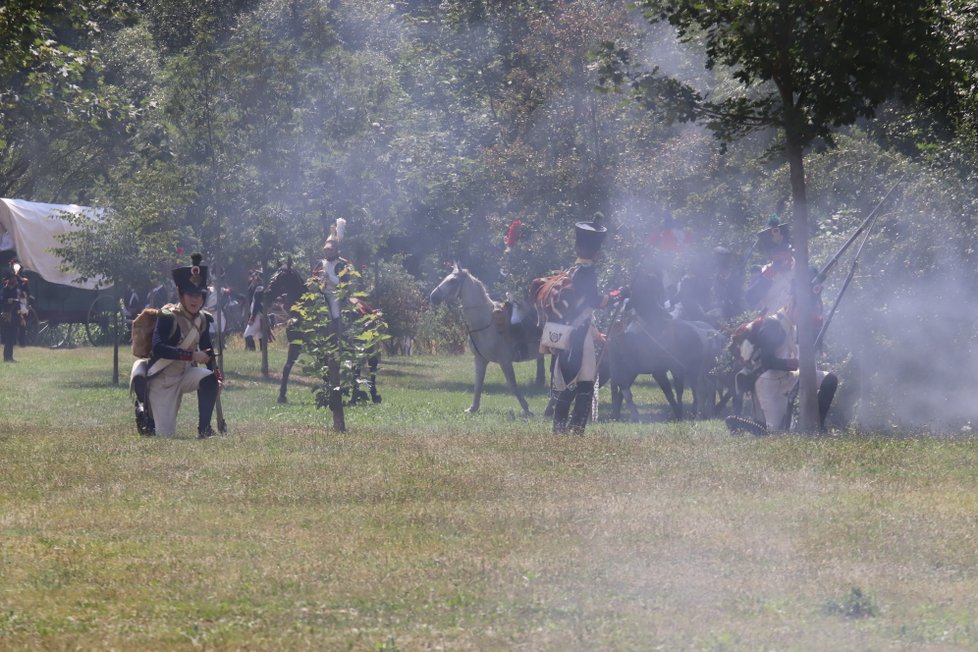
(488, 388)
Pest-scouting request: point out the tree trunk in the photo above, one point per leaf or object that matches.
(335, 393)
(808, 386)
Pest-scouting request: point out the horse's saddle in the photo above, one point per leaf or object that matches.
(502, 313)
(518, 325)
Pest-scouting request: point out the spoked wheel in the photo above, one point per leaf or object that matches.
(103, 320)
(53, 334)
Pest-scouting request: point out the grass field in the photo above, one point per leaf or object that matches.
(424, 528)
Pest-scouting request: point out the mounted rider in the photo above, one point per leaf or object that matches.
(333, 269)
(770, 290)
(575, 368)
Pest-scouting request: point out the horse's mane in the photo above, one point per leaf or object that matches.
(479, 284)
(282, 277)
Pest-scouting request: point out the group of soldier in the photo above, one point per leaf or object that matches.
(183, 358)
(766, 346)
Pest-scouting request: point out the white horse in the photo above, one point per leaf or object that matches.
(487, 342)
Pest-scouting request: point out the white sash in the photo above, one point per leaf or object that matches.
(188, 343)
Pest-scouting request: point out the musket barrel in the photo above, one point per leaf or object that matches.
(820, 277)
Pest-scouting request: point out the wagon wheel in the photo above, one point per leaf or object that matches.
(46, 332)
(100, 327)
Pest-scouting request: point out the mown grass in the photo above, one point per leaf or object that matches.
(426, 528)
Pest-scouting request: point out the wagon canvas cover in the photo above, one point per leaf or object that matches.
(32, 229)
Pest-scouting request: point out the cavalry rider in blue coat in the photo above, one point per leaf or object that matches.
(182, 360)
(576, 366)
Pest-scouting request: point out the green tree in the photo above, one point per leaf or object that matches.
(337, 349)
(59, 116)
(806, 69)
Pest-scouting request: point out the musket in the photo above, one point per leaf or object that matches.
(222, 425)
(604, 349)
(842, 291)
(793, 393)
(820, 277)
(835, 304)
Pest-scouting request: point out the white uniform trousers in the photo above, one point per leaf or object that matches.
(771, 392)
(166, 389)
(589, 364)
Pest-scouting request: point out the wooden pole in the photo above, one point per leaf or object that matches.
(115, 342)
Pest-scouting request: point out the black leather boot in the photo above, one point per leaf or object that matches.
(562, 406)
(206, 400)
(144, 420)
(582, 407)
(826, 392)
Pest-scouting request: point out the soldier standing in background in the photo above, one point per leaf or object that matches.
(9, 313)
(771, 289)
(576, 367)
(334, 268)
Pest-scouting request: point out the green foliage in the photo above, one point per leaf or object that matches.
(807, 68)
(347, 343)
(401, 298)
(441, 329)
(59, 116)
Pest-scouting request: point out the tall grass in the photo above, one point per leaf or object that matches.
(427, 528)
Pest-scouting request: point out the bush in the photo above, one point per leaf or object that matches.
(401, 298)
(441, 330)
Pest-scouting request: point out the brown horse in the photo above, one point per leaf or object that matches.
(655, 343)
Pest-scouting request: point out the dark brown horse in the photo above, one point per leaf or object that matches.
(654, 343)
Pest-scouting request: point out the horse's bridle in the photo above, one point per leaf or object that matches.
(469, 331)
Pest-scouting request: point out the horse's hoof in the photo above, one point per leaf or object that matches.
(376, 398)
(471, 410)
(527, 414)
(282, 399)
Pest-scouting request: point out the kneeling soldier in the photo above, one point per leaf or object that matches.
(182, 360)
(771, 351)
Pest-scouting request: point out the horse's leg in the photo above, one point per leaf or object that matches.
(480, 378)
(662, 378)
(705, 397)
(626, 390)
(514, 387)
(679, 383)
(616, 398)
(552, 402)
(294, 351)
(541, 378)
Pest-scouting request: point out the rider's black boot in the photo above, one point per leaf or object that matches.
(582, 407)
(562, 406)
